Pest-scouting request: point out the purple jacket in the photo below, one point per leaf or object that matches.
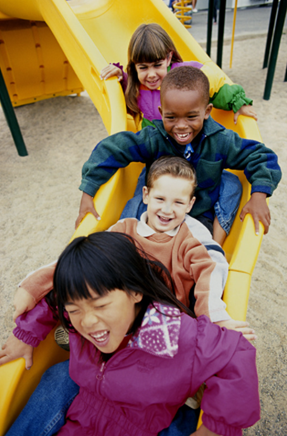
(141, 387)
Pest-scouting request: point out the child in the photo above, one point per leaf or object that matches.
(167, 234)
(151, 53)
(135, 355)
(187, 130)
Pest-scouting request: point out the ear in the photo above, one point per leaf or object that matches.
(160, 110)
(145, 194)
(208, 110)
(169, 58)
(190, 205)
(137, 297)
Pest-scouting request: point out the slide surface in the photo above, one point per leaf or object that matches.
(91, 34)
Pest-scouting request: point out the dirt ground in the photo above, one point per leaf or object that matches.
(40, 201)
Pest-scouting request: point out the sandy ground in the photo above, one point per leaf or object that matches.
(40, 200)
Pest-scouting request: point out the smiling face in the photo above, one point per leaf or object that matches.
(104, 320)
(183, 113)
(151, 74)
(168, 200)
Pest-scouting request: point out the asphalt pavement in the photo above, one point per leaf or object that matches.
(250, 21)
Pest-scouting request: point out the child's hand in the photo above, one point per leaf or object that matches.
(111, 71)
(87, 205)
(246, 110)
(203, 431)
(13, 349)
(23, 302)
(239, 326)
(259, 211)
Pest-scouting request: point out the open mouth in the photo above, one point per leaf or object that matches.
(164, 220)
(182, 137)
(101, 338)
(154, 83)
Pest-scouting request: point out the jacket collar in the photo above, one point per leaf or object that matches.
(144, 230)
(161, 323)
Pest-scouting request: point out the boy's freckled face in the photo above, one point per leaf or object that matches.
(183, 113)
(167, 202)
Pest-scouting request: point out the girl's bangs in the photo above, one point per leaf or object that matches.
(76, 280)
(149, 49)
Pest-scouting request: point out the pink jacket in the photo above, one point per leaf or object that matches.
(141, 387)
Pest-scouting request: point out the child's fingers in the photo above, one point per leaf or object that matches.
(236, 115)
(250, 337)
(29, 360)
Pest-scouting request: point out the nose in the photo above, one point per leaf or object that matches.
(151, 72)
(167, 208)
(89, 319)
(181, 124)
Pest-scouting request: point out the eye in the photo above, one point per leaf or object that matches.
(72, 311)
(158, 64)
(142, 67)
(159, 199)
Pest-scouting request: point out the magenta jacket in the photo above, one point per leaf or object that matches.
(141, 387)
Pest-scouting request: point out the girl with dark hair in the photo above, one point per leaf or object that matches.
(136, 352)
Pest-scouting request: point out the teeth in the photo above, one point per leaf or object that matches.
(182, 135)
(100, 336)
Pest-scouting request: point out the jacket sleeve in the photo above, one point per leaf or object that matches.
(260, 164)
(117, 151)
(124, 81)
(217, 307)
(209, 286)
(40, 282)
(224, 95)
(35, 325)
(225, 361)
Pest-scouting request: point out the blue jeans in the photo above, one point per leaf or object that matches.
(225, 208)
(45, 412)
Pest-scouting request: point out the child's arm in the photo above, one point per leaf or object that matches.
(248, 111)
(114, 152)
(33, 288)
(240, 327)
(227, 96)
(260, 165)
(111, 70)
(86, 206)
(14, 349)
(258, 209)
(32, 328)
(226, 362)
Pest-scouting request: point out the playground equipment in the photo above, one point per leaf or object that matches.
(90, 34)
(183, 12)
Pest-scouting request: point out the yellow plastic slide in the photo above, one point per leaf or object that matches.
(77, 41)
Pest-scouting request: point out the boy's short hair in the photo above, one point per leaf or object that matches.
(174, 166)
(189, 78)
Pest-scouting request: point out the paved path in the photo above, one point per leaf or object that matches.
(250, 21)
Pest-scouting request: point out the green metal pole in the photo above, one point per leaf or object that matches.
(270, 32)
(220, 37)
(275, 48)
(11, 118)
(209, 26)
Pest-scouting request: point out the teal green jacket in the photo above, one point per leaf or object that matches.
(215, 149)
